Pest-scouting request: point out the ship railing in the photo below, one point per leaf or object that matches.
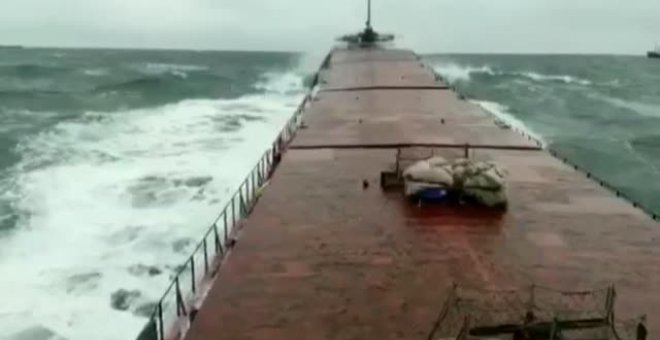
(177, 307)
(189, 280)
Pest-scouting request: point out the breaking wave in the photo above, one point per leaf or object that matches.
(107, 205)
(502, 113)
(454, 73)
(558, 78)
(600, 112)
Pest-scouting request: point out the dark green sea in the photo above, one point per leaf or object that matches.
(113, 161)
(112, 165)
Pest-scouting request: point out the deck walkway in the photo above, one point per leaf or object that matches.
(322, 257)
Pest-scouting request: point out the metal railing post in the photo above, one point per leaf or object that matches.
(226, 231)
(262, 168)
(256, 178)
(161, 324)
(192, 273)
(241, 206)
(249, 186)
(180, 306)
(258, 173)
(216, 237)
(254, 188)
(233, 211)
(206, 258)
(266, 160)
(248, 192)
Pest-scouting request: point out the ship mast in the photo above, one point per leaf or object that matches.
(368, 13)
(368, 36)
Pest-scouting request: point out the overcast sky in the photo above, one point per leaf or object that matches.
(563, 26)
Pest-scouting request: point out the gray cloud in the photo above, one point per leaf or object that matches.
(585, 26)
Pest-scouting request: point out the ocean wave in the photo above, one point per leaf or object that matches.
(502, 113)
(174, 85)
(138, 84)
(280, 82)
(647, 140)
(30, 92)
(148, 178)
(167, 81)
(455, 73)
(95, 72)
(641, 108)
(176, 69)
(647, 147)
(560, 78)
(31, 70)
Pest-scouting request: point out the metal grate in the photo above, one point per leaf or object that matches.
(537, 312)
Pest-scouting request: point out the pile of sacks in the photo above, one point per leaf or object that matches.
(478, 180)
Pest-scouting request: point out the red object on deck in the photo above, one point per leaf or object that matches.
(322, 256)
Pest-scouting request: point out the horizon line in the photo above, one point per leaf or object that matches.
(207, 49)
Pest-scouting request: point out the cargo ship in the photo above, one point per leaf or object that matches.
(654, 53)
(323, 239)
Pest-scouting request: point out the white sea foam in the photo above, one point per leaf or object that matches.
(502, 112)
(280, 83)
(114, 190)
(178, 70)
(95, 72)
(455, 72)
(165, 67)
(560, 78)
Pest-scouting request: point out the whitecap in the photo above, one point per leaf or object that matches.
(560, 78)
(284, 83)
(95, 72)
(502, 113)
(80, 217)
(162, 68)
(455, 72)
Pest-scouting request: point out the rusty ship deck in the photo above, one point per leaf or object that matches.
(321, 256)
